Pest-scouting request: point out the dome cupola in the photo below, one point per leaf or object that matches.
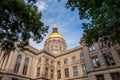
(55, 42)
(55, 33)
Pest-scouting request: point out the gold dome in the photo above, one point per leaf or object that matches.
(54, 34)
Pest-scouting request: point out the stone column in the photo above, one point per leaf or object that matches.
(42, 68)
(29, 67)
(1, 57)
(88, 59)
(9, 61)
(55, 71)
(92, 77)
(107, 77)
(21, 64)
(100, 56)
(13, 60)
(5, 61)
(115, 56)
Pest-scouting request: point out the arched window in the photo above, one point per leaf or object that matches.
(25, 65)
(17, 64)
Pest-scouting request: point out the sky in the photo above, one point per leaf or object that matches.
(68, 23)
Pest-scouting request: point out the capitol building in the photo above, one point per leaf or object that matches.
(56, 62)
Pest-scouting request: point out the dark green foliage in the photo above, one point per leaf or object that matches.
(19, 21)
(104, 16)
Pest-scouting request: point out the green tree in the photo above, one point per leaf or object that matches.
(104, 17)
(19, 21)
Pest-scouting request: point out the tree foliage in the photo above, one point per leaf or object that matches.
(104, 16)
(19, 21)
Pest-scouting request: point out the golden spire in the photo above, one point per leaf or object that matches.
(55, 33)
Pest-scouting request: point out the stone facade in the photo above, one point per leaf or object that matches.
(55, 62)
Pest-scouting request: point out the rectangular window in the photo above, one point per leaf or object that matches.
(52, 73)
(47, 61)
(38, 71)
(52, 62)
(82, 56)
(91, 48)
(66, 72)
(100, 77)
(39, 60)
(65, 61)
(95, 61)
(84, 69)
(46, 72)
(115, 76)
(75, 70)
(109, 59)
(73, 59)
(58, 74)
(58, 63)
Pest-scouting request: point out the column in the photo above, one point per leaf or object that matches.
(92, 77)
(1, 57)
(42, 69)
(107, 77)
(49, 73)
(115, 55)
(9, 61)
(55, 71)
(88, 59)
(5, 61)
(29, 67)
(100, 56)
(13, 60)
(21, 64)
(71, 74)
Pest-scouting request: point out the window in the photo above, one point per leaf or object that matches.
(52, 62)
(73, 59)
(91, 48)
(82, 56)
(103, 44)
(66, 72)
(109, 59)
(65, 61)
(47, 61)
(25, 66)
(84, 69)
(17, 64)
(38, 71)
(0, 78)
(95, 61)
(58, 74)
(100, 77)
(115, 76)
(52, 73)
(39, 60)
(58, 63)
(118, 51)
(46, 72)
(14, 79)
(75, 70)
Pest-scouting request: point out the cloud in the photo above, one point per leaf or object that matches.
(41, 5)
(68, 22)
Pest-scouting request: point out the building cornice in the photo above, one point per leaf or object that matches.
(66, 52)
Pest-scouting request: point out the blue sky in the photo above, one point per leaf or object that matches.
(68, 22)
